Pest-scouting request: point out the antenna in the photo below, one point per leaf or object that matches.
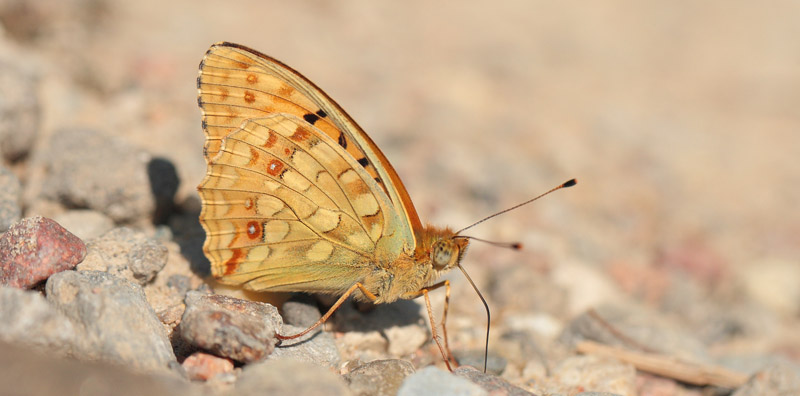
(568, 183)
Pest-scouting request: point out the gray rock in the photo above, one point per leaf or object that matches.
(85, 169)
(289, 377)
(125, 253)
(379, 377)
(10, 193)
(491, 383)
(776, 379)
(27, 319)
(20, 109)
(301, 310)
(230, 327)
(85, 224)
(35, 248)
(435, 381)
(119, 325)
(316, 347)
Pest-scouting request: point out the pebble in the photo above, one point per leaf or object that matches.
(316, 347)
(86, 169)
(434, 381)
(117, 323)
(201, 366)
(10, 193)
(364, 346)
(36, 248)
(379, 377)
(84, 223)
(26, 318)
(301, 310)
(20, 108)
(126, 253)
(493, 384)
(289, 377)
(230, 327)
(776, 379)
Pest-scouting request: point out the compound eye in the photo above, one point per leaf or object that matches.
(442, 255)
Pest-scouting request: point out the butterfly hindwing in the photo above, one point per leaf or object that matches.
(285, 208)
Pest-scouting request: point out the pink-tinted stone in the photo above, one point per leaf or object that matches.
(35, 248)
(202, 366)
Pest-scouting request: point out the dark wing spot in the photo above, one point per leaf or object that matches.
(204, 123)
(311, 118)
(342, 140)
(363, 161)
(322, 114)
(378, 180)
(198, 81)
(199, 101)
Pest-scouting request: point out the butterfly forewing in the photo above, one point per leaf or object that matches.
(237, 83)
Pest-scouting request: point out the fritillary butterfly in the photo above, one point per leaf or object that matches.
(298, 198)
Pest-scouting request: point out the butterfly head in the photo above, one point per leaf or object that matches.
(446, 253)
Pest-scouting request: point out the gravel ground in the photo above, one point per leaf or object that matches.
(670, 269)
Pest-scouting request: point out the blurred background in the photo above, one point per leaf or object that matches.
(680, 120)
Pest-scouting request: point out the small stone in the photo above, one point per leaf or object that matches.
(202, 366)
(316, 347)
(119, 324)
(776, 379)
(86, 169)
(364, 346)
(36, 248)
(491, 383)
(20, 109)
(126, 253)
(289, 377)
(230, 327)
(301, 310)
(379, 377)
(435, 381)
(84, 223)
(26, 318)
(10, 193)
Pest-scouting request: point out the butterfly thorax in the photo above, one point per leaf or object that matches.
(437, 252)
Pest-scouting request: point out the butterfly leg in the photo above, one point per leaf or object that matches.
(330, 312)
(446, 353)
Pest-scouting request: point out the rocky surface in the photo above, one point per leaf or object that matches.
(679, 242)
(36, 248)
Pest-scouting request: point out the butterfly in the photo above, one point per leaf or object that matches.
(297, 197)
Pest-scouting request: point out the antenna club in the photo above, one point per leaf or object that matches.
(516, 246)
(569, 183)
